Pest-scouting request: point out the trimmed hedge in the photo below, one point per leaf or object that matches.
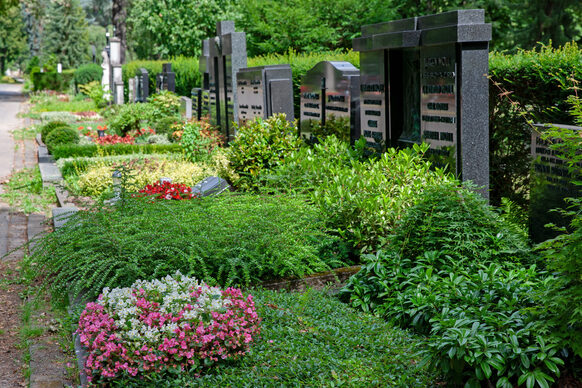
(71, 151)
(53, 80)
(87, 73)
(540, 82)
(186, 69)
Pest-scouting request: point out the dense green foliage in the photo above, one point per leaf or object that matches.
(52, 80)
(75, 150)
(529, 86)
(130, 117)
(48, 127)
(12, 38)
(198, 140)
(455, 269)
(61, 136)
(65, 33)
(175, 27)
(87, 73)
(261, 144)
(226, 240)
(313, 340)
(186, 69)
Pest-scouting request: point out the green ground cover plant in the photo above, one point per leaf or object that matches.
(312, 339)
(224, 240)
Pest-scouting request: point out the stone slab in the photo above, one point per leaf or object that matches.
(36, 228)
(62, 214)
(50, 173)
(210, 186)
(45, 371)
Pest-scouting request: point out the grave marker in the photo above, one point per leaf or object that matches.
(227, 54)
(166, 80)
(142, 86)
(425, 79)
(264, 91)
(330, 89)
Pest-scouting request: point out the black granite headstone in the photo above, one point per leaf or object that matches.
(166, 80)
(330, 89)
(210, 186)
(427, 79)
(551, 183)
(227, 53)
(264, 91)
(142, 86)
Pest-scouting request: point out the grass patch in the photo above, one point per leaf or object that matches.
(27, 133)
(53, 104)
(314, 340)
(25, 192)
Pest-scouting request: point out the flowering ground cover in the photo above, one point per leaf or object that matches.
(166, 190)
(172, 325)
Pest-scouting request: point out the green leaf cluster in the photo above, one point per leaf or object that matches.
(60, 136)
(75, 150)
(87, 73)
(226, 240)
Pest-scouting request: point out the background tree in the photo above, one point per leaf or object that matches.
(119, 18)
(65, 34)
(165, 28)
(12, 37)
(98, 12)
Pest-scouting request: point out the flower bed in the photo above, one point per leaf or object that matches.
(175, 324)
(167, 190)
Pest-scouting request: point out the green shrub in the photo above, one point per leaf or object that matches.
(454, 270)
(311, 339)
(301, 63)
(48, 128)
(88, 73)
(53, 80)
(336, 126)
(166, 102)
(226, 240)
(60, 136)
(186, 69)
(95, 92)
(131, 117)
(164, 125)
(76, 150)
(199, 140)
(261, 144)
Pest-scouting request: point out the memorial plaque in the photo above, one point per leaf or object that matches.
(551, 183)
(373, 98)
(142, 85)
(438, 109)
(264, 91)
(330, 89)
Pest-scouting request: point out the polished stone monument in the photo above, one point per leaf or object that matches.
(166, 80)
(425, 79)
(551, 182)
(330, 89)
(142, 85)
(227, 54)
(264, 91)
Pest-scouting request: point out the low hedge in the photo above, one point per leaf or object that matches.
(53, 80)
(75, 150)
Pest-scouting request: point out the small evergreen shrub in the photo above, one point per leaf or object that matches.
(87, 73)
(167, 103)
(261, 144)
(48, 128)
(61, 136)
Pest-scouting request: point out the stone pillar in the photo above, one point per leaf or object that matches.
(117, 78)
(106, 78)
(131, 90)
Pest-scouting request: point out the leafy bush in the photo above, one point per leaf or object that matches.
(167, 103)
(72, 150)
(261, 144)
(186, 69)
(199, 139)
(225, 240)
(165, 125)
(95, 92)
(336, 126)
(152, 328)
(52, 80)
(87, 73)
(311, 339)
(48, 128)
(131, 117)
(60, 136)
(454, 270)
(96, 181)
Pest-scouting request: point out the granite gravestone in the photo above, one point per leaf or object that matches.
(425, 79)
(142, 85)
(186, 107)
(227, 54)
(166, 80)
(551, 183)
(116, 71)
(264, 91)
(330, 89)
(201, 97)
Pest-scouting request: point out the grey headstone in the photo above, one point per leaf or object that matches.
(186, 107)
(427, 76)
(62, 214)
(210, 186)
(166, 80)
(330, 89)
(142, 86)
(264, 91)
(131, 90)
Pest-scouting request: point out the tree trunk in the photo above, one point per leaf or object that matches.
(119, 14)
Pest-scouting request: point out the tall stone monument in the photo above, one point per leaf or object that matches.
(425, 79)
(264, 91)
(330, 89)
(106, 77)
(227, 54)
(116, 72)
